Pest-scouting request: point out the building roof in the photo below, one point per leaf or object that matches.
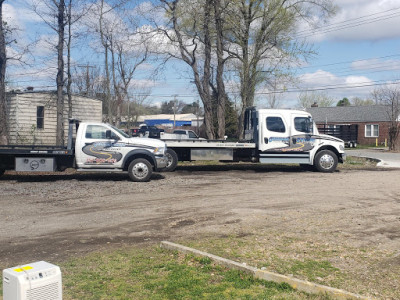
(347, 114)
(18, 92)
(178, 117)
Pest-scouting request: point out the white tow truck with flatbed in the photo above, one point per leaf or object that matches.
(97, 147)
(271, 136)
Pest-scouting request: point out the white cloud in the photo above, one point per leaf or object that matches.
(10, 16)
(377, 20)
(330, 84)
(376, 65)
(45, 46)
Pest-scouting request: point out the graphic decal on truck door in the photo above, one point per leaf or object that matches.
(299, 143)
(101, 154)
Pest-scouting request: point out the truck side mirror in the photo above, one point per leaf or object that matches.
(310, 125)
(110, 135)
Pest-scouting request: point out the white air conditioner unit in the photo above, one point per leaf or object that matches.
(35, 281)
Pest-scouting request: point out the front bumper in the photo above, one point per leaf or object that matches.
(162, 162)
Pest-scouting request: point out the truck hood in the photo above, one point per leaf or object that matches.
(147, 142)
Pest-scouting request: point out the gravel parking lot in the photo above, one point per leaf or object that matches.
(52, 217)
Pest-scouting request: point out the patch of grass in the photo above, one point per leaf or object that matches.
(367, 271)
(154, 273)
(353, 162)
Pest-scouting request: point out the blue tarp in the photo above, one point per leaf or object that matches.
(156, 122)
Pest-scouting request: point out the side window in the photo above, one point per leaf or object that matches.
(275, 124)
(40, 117)
(179, 132)
(98, 132)
(192, 135)
(302, 124)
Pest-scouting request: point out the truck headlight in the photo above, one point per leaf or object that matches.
(341, 147)
(159, 151)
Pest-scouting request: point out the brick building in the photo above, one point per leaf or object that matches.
(372, 121)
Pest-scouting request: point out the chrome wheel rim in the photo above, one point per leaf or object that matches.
(169, 160)
(326, 161)
(140, 170)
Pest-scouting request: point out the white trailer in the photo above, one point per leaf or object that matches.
(271, 136)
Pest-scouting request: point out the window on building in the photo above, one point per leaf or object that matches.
(40, 117)
(275, 124)
(371, 130)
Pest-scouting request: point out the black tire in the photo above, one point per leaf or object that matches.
(172, 161)
(140, 170)
(325, 161)
(2, 172)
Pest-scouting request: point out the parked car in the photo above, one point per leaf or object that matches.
(147, 131)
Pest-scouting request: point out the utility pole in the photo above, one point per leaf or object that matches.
(198, 113)
(175, 100)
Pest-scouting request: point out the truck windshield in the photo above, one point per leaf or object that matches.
(120, 132)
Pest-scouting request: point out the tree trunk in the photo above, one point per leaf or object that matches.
(60, 75)
(208, 115)
(69, 82)
(104, 42)
(3, 104)
(117, 93)
(221, 94)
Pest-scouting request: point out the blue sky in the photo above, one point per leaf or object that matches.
(360, 46)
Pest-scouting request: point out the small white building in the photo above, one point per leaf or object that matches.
(32, 116)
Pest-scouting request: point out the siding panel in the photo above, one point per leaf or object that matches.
(22, 116)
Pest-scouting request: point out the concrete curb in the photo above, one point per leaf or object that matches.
(300, 285)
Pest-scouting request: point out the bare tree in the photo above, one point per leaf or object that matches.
(390, 97)
(357, 101)
(128, 63)
(220, 92)
(260, 38)
(53, 13)
(104, 38)
(81, 7)
(308, 99)
(3, 62)
(189, 29)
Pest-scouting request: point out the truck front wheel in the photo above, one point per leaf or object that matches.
(172, 160)
(140, 170)
(326, 161)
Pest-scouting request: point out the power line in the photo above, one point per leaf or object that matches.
(350, 20)
(350, 61)
(337, 26)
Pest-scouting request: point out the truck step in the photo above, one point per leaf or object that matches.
(101, 170)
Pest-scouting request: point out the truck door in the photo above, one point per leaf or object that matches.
(302, 133)
(277, 142)
(97, 149)
(274, 133)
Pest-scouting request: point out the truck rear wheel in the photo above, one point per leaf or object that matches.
(326, 161)
(140, 170)
(172, 161)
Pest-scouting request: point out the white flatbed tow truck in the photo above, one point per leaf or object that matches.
(271, 136)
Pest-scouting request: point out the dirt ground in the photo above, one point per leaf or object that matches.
(52, 217)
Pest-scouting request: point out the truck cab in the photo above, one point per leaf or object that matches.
(101, 146)
(291, 136)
